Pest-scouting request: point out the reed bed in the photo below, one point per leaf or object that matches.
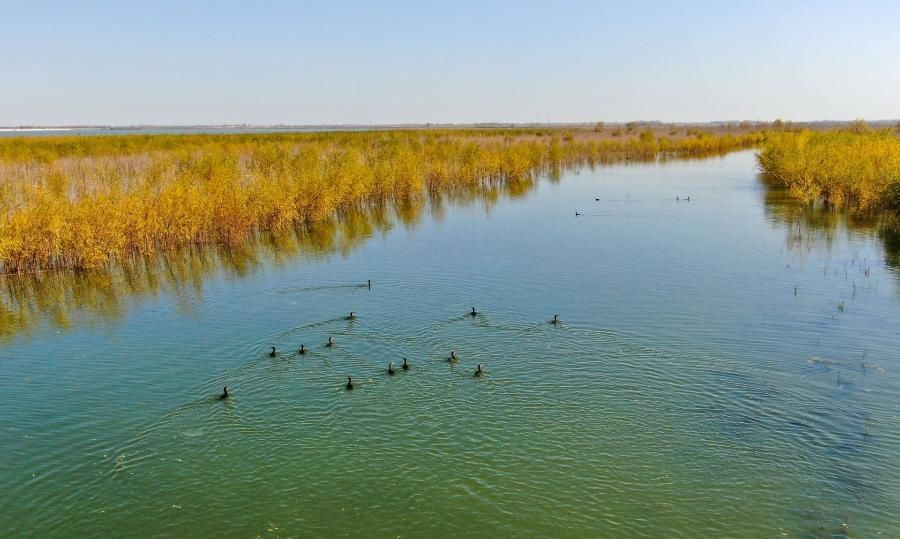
(856, 168)
(86, 201)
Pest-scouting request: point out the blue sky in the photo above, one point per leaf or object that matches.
(390, 62)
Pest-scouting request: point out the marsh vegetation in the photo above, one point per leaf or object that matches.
(856, 167)
(84, 202)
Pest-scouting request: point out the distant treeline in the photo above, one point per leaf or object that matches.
(856, 167)
(84, 201)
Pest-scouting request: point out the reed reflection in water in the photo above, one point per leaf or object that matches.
(68, 299)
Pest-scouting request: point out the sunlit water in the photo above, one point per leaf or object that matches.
(722, 369)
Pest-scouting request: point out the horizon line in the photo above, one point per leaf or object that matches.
(402, 125)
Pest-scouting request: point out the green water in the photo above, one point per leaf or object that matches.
(690, 390)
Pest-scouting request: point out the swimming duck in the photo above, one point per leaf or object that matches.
(352, 315)
(474, 312)
(349, 383)
(224, 394)
(272, 353)
(391, 368)
(302, 350)
(555, 319)
(405, 365)
(330, 342)
(478, 371)
(577, 214)
(452, 356)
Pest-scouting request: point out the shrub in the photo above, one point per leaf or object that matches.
(855, 167)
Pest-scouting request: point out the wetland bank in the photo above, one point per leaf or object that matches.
(703, 377)
(86, 201)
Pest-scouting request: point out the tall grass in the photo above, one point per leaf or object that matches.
(856, 168)
(66, 299)
(86, 201)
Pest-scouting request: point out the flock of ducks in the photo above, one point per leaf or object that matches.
(452, 358)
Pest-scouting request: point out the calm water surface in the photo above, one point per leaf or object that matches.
(726, 366)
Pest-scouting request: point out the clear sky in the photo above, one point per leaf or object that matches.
(323, 62)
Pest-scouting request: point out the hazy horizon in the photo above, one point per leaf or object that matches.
(587, 123)
(279, 63)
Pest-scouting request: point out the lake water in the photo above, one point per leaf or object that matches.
(725, 366)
